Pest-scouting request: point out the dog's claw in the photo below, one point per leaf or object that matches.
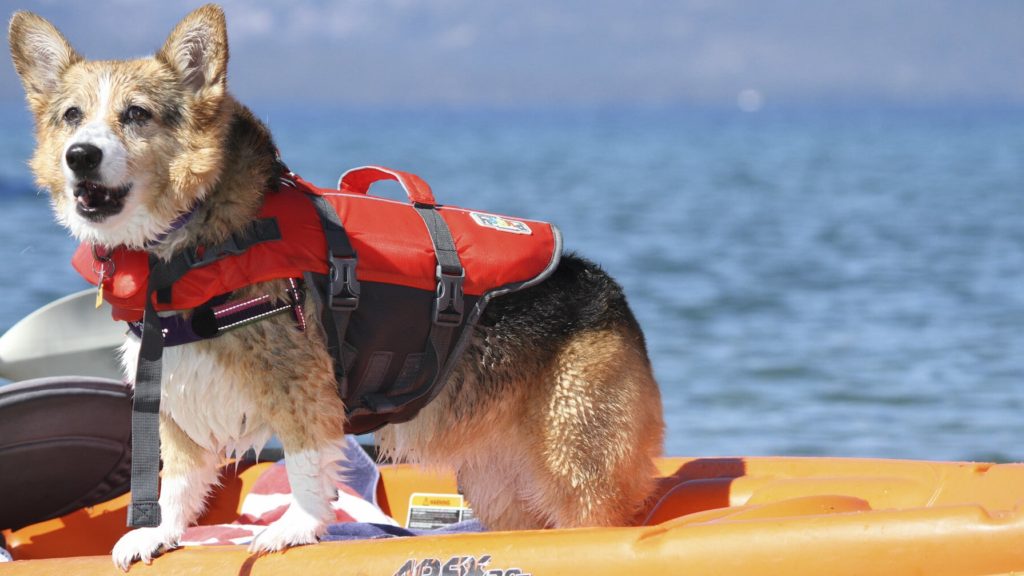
(292, 529)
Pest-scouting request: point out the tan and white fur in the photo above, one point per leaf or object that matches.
(551, 419)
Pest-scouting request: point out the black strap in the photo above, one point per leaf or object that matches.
(144, 509)
(448, 304)
(448, 309)
(261, 230)
(341, 288)
(441, 237)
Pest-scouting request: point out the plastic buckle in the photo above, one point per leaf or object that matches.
(344, 289)
(448, 304)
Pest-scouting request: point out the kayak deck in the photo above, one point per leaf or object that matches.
(713, 516)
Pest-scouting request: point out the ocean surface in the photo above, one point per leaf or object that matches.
(811, 282)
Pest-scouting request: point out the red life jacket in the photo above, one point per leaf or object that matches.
(389, 237)
(392, 357)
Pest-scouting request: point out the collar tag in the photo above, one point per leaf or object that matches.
(103, 264)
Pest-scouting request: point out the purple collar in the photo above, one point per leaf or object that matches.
(176, 225)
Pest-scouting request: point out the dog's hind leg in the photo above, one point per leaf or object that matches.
(578, 448)
(493, 481)
(189, 472)
(599, 430)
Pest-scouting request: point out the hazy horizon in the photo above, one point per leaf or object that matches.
(584, 54)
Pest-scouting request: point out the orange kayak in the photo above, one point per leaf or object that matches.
(788, 516)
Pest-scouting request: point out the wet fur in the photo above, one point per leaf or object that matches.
(551, 419)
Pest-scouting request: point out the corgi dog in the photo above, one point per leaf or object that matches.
(551, 418)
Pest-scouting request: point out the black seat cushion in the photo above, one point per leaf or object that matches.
(65, 443)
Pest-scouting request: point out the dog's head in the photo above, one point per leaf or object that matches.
(125, 147)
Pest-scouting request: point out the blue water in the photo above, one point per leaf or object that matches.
(844, 283)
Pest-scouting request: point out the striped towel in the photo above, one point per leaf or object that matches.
(271, 495)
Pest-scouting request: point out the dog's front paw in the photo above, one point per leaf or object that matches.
(142, 544)
(292, 529)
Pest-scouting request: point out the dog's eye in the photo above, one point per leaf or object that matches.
(136, 115)
(73, 115)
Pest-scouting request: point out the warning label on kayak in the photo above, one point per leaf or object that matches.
(429, 511)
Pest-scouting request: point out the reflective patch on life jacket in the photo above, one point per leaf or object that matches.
(500, 223)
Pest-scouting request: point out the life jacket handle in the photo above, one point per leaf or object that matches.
(358, 181)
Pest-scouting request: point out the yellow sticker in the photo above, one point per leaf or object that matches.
(436, 500)
(99, 294)
(429, 511)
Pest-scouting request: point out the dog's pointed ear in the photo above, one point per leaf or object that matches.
(40, 53)
(198, 50)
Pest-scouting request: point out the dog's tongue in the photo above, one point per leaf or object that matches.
(85, 194)
(91, 194)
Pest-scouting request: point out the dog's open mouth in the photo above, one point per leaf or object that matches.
(96, 202)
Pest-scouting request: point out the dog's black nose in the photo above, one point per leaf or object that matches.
(83, 157)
